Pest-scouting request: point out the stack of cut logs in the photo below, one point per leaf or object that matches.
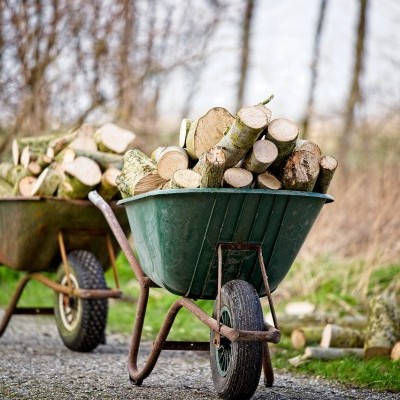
(221, 150)
(331, 337)
(67, 165)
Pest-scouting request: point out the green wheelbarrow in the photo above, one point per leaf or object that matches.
(40, 235)
(228, 245)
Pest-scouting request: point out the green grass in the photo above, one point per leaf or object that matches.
(380, 373)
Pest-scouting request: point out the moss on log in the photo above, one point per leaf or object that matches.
(47, 182)
(105, 160)
(211, 166)
(338, 336)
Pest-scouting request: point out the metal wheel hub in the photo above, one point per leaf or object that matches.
(224, 351)
(70, 307)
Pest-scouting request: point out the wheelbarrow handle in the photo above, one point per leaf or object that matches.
(116, 229)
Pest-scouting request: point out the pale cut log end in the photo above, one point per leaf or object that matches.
(395, 353)
(283, 130)
(298, 339)
(25, 157)
(237, 178)
(25, 185)
(268, 181)
(253, 117)
(114, 138)
(185, 179)
(170, 160)
(15, 152)
(307, 145)
(85, 170)
(329, 163)
(326, 336)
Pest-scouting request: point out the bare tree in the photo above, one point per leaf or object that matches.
(354, 96)
(314, 68)
(245, 50)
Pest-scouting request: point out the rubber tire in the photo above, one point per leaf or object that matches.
(242, 375)
(89, 327)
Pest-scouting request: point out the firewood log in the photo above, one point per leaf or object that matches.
(338, 336)
(206, 131)
(307, 145)
(306, 336)
(139, 174)
(112, 138)
(66, 155)
(108, 186)
(301, 171)
(5, 169)
(260, 157)
(283, 133)
(34, 168)
(37, 145)
(15, 174)
(47, 182)
(211, 166)
(81, 176)
(237, 178)
(185, 179)
(184, 130)
(395, 353)
(25, 157)
(383, 327)
(105, 160)
(170, 159)
(327, 167)
(59, 143)
(84, 143)
(266, 111)
(6, 189)
(245, 130)
(26, 184)
(267, 181)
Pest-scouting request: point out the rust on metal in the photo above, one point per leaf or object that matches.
(65, 261)
(182, 345)
(111, 254)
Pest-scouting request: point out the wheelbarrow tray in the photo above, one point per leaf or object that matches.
(29, 229)
(177, 232)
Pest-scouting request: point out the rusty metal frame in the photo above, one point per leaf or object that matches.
(137, 375)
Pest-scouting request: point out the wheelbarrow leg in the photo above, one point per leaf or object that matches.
(13, 303)
(267, 367)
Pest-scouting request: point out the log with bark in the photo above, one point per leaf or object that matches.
(206, 131)
(260, 157)
(306, 336)
(338, 336)
(244, 132)
(47, 183)
(211, 166)
(138, 175)
(81, 176)
(112, 138)
(170, 159)
(383, 326)
(104, 159)
(301, 171)
(327, 168)
(108, 186)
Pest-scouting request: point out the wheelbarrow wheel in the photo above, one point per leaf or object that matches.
(236, 366)
(81, 322)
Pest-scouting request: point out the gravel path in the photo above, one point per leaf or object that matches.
(34, 364)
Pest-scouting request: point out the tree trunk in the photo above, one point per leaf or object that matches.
(301, 171)
(383, 327)
(268, 181)
(211, 167)
(260, 157)
(169, 160)
(205, 132)
(245, 50)
(237, 178)
(249, 123)
(139, 174)
(185, 179)
(354, 96)
(314, 68)
(327, 168)
(306, 336)
(337, 336)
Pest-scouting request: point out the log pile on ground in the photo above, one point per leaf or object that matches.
(327, 337)
(67, 165)
(218, 149)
